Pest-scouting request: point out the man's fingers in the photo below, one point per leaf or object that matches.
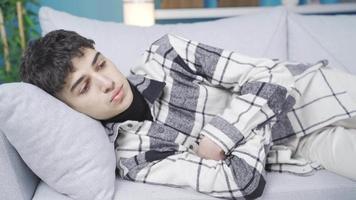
(211, 156)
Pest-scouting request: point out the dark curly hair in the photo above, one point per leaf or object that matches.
(47, 61)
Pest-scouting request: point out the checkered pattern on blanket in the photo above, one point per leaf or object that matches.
(253, 108)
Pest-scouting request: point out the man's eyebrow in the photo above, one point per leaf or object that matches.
(95, 58)
(77, 83)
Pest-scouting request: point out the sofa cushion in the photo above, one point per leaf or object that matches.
(66, 149)
(279, 186)
(312, 38)
(259, 35)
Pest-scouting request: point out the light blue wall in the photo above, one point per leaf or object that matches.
(107, 10)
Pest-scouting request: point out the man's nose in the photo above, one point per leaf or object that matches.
(105, 84)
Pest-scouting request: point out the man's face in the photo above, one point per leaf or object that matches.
(96, 87)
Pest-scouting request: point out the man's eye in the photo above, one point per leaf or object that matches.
(84, 89)
(101, 65)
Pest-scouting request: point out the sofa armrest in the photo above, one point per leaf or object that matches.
(17, 181)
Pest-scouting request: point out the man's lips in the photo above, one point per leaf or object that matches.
(117, 93)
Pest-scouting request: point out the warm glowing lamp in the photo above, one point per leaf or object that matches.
(139, 12)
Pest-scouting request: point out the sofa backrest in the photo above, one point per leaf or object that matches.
(259, 35)
(315, 37)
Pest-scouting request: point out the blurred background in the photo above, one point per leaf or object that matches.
(19, 18)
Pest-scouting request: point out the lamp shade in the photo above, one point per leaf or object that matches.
(139, 12)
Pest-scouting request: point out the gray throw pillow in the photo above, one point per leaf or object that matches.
(66, 149)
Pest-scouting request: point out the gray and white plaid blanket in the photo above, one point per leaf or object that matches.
(255, 109)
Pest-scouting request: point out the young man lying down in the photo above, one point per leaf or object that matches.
(195, 115)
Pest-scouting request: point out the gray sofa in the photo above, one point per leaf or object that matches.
(296, 37)
(17, 180)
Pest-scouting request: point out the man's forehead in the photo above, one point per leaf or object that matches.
(87, 55)
(83, 61)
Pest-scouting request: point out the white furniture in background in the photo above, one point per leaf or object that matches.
(138, 12)
(202, 13)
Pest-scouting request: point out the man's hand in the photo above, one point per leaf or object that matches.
(210, 150)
